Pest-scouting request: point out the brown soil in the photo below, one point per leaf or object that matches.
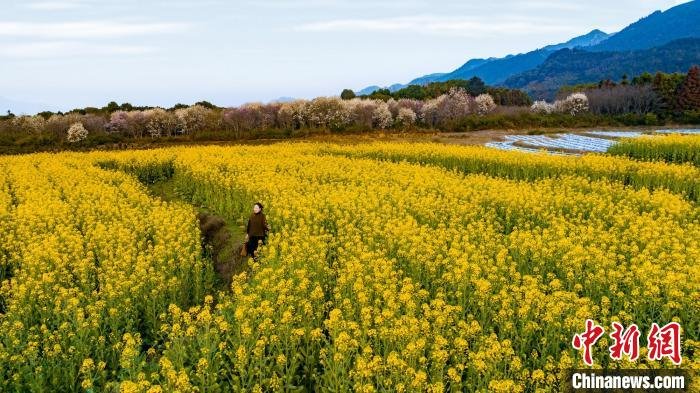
(472, 137)
(224, 248)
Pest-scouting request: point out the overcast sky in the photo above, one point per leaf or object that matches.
(74, 53)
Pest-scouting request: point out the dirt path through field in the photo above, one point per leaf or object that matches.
(221, 240)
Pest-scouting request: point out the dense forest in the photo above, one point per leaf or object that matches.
(664, 95)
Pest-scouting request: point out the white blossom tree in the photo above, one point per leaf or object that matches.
(59, 124)
(447, 107)
(458, 104)
(192, 119)
(32, 124)
(542, 107)
(293, 115)
(76, 133)
(328, 112)
(430, 111)
(406, 118)
(412, 104)
(575, 104)
(484, 104)
(260, 114)
(362, 112)
(118, 122)
(160, 122)
(381, 116)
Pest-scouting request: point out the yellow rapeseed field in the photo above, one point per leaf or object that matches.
(390, 267)
(674, 148)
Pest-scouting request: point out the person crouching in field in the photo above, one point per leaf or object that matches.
(256, 230)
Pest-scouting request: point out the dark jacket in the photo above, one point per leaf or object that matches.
(257, 225)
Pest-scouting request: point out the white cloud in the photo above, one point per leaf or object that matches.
(338, 4)
(549, 5)
(53, 5)
(68, 49)
(87, 29)
(467, 27)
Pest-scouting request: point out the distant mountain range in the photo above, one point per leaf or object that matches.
(574, 66)
(371, 89)
(542, 71)
(494, 71)
(659, 28)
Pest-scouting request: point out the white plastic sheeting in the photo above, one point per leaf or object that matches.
(616, 134)
(568, 144)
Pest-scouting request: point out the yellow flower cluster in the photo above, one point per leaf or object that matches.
(377, 276)
(674, 148)
(87, 261)
(683, 179)
(406, 277)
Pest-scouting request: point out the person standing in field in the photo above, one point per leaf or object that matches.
(256, 229)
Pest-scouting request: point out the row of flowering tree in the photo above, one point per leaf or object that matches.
(574, 104)
(322, 113)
